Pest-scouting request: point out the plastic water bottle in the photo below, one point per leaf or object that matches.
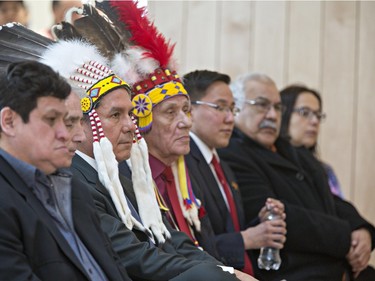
(269, 258)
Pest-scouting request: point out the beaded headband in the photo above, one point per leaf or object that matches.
(151, 68)
(148, 93)
(105, 81)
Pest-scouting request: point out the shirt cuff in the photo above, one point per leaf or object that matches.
(227, 269)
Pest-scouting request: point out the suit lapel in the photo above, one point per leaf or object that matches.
(127, 186)
(91, 175)
(88, 172)
(209, 179)
(279, 159)
(20, 186)
(83, 218)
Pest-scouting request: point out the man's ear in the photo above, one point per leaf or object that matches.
(7, 120)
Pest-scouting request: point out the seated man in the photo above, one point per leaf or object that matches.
(326, 235)
(213, 114)
(49, 229)
(162, 107)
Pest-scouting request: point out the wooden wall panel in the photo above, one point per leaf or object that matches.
(364, 185)
(236, 43)
(338, 88)
(269, 38)
(40, 14)
(202, 32)
(303, 50)
(160, 12)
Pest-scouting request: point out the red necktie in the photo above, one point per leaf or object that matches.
(248, 268)
(173, 198)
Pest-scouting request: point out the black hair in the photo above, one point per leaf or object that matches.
(24, 82)
(55, 4)
(18, 1)
(289, 97)
(197, 82)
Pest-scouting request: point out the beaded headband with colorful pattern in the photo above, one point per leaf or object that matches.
(150, 65)
(148, 93)
(104, 82)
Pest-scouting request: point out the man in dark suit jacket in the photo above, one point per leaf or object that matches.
(327, 238)
(213, 114)
(49, 229)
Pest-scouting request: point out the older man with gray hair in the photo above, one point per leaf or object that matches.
(327, 239)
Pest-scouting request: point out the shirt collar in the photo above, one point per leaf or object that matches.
(205, 150)
(157, 167)
(28, 172)
(88, 159)
(25, 170)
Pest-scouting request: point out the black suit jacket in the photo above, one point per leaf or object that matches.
(228, 242)
(32, 247)
(142, 262)
(319, 225)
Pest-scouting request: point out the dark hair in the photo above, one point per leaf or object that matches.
(197, 82)
(55, 4)
(19, 2)
(289, 97)
(25, 82)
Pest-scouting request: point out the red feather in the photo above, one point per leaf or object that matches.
(144, 33)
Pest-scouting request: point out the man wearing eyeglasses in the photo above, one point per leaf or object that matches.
(323, 230)
(213, 112)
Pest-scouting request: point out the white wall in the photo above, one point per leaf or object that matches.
(40, 14)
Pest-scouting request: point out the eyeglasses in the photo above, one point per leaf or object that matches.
(221, 108)
(263, 105)
(309, 113)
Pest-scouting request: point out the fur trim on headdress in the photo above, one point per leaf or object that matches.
(67, 56)
(143, 188)
(124, 65)
(83, 66)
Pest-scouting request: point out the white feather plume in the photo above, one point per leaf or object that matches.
(66, 56)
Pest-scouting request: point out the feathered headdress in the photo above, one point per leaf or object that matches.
(95, 27)
(87, 71)
(98, 29)
(151, 70)
(18, 43)
(150, 65)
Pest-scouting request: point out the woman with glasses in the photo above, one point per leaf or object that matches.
(301, 123)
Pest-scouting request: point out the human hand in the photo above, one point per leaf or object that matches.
(275, 205)
(244, 276)
(360, 250)
(266, 234)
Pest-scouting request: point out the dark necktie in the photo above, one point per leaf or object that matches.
(173, 198)
(248, 268)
